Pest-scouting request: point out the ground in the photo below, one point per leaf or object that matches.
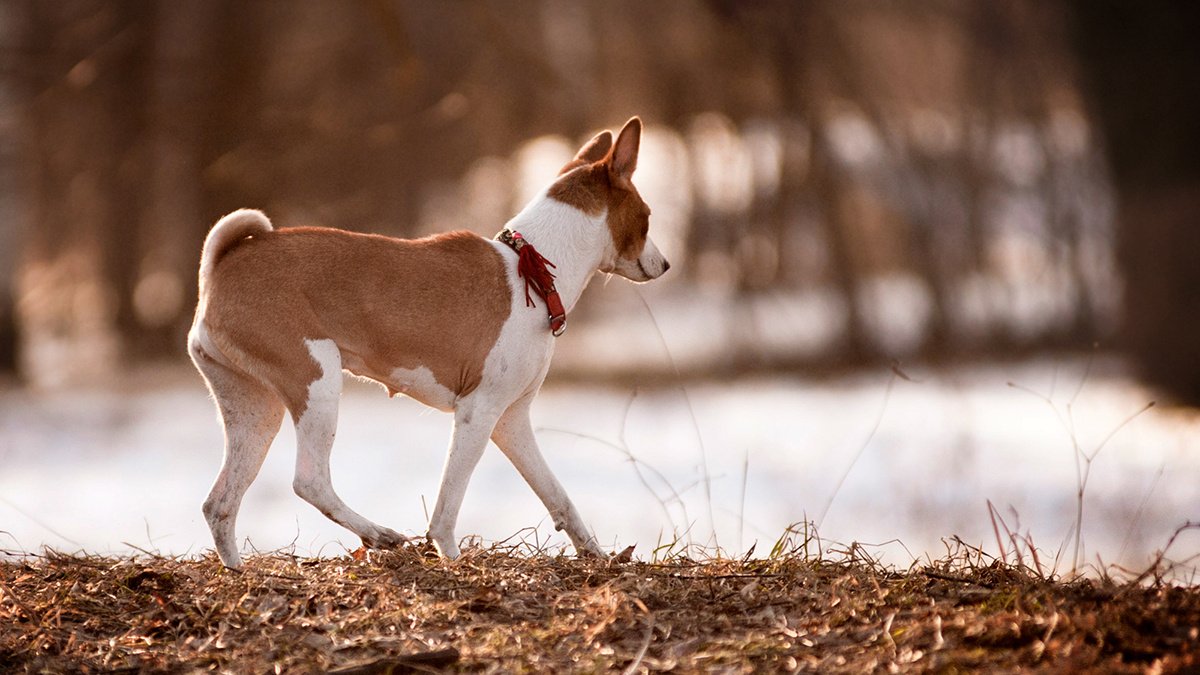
(517, 609)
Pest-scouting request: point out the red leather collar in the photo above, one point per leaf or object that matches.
(534, 268)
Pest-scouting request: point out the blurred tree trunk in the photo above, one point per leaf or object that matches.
(1141, 64)
(186, 134)
(829, 191)
(54, 153)
(14, 76)
(8, 330)
(230, 109)
(797, 37)
(126, 176)
(10, 247)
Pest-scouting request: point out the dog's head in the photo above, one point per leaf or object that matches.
(600, 180)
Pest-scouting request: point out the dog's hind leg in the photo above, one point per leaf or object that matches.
(315, 430)
(514, 435)
(251, 415)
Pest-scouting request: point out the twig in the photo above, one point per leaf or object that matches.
(1137, 515)
(687, 400)
(141, 550)
(742, 499)
(765, 575)
(996, 531)
(641, 654)
(637, 463)
(956, 579)
(887, 630)
(887, 395)
(1083, 459)
(1158, 559)
(33, 616)
(37, 521)
(404, 663)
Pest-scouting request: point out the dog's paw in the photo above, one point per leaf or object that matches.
(385, 539)
(446, 546)
(590, 550)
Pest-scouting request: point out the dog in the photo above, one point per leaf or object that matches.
(448, 320)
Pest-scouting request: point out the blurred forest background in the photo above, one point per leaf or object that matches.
(837, 182)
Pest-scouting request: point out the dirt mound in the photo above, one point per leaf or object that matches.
(505, 609)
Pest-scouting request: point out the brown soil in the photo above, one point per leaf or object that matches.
(504, 609)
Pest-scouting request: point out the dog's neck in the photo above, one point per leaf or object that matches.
(571, 239)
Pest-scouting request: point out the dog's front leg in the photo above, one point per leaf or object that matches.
(471, 431)
(514, 435)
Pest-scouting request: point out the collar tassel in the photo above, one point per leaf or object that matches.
(534, 268)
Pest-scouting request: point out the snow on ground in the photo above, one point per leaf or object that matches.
(126, 466)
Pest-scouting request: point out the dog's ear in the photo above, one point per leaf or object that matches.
(592, 151)
(595, 149)
(625, 152)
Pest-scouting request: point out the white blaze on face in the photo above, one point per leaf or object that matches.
(648, 264)
(652, 260)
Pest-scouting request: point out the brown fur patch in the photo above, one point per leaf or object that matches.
(438, 302)
(592, 190)
(628, 222)
(586, 189)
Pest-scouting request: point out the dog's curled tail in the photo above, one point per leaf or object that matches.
(226, 234)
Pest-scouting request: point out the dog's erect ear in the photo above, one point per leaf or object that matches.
(625, 152)
(595, 149)
(592, 151)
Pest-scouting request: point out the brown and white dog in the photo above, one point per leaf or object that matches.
(443, 320)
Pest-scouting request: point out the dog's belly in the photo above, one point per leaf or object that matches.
(420, 384)
(416, 383)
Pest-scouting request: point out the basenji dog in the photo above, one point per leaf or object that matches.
(447, 320)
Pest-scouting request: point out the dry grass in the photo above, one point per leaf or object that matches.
(513, 609)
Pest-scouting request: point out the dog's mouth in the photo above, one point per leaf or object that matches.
(642, 269)
(634, 270)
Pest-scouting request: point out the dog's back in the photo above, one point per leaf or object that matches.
(437, 303)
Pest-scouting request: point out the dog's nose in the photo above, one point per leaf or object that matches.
(666, 265)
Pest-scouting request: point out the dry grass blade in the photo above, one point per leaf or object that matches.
(641, 653)
(406, 663)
